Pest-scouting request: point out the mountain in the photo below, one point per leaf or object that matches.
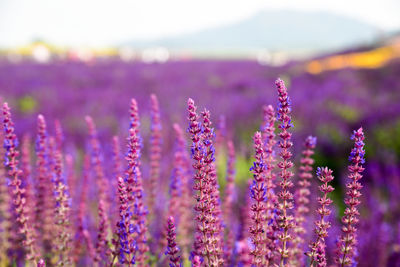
(279, 30)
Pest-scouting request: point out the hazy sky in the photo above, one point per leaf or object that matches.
(101, 23)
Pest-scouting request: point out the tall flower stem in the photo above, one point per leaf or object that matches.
(317, 253)
(258, 208)
(207, 241)
(286, 197)
(102, 244)
(172, 248)
(135, 187)
(268, 134)
(348, 241)
(302, 200)
(228, 203)
(155, 152)
(19, 201)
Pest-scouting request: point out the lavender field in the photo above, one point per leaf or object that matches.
(199, 163)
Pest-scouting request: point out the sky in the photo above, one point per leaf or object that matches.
(99, 23)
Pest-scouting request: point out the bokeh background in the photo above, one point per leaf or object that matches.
(339, 59)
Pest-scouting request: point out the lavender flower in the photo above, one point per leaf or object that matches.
(302, 199)
(208, 137)
(135, 188)
(348, 241)
(207, 241)
(44, 197)
(5, 195)
(81, 213)
(244, 257)
(172, 248)
(185, 210)
(286, 197)
(126, 245)
(26, 176)
(102, 244)
(317, 253)
(155, 151)
(61, 211)
(258, 208)
(228, 204)
(19, 201)
(272, 227)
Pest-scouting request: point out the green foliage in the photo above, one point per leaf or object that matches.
(27, 104)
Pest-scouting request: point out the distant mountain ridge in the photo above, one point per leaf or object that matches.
(279, 30)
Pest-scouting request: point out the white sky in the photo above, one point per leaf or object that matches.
(101, 23)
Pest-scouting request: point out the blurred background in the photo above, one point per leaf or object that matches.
(340, 60)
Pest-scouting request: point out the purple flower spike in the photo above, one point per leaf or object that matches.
(134, 187)
(5, 196)
(102, 244)
(184, 211)
(61, 211)
(258, 193)
(172, 248)
(347, 243)
(44, 197)
(155, 151)
(317, 253)
(208, 240)
(286, 197)
(126, 244)
(302, 199)
(228, 203)
(270, 176)
(19, 201)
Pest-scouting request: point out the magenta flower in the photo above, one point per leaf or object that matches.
(317, 253)
(61, 211)
(172, 248)
(208, 237)
(184, 212)
(258, 208)
(244, 256)
(19, 201)
(272, 227)
(26, 177)
(126, 245)
(41, 263)
(286, 197)
(196, 262)
(102, 243)
(155, 151)
(228, 203)
(302, 199)
(44, 197)
(134, 187)
(347, 243)
(80, 238)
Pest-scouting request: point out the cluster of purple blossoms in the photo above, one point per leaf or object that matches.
(272, 230)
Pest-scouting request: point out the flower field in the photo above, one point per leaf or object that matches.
(199, 163)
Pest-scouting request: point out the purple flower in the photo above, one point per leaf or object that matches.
(172, 248)
(155, 151)
(302, 199)
(317, 253)
(286, 197)
(347, 243)
(14, 173)
(208, 243)
(258, 194)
